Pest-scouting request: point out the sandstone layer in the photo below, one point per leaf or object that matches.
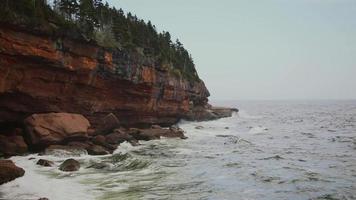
(43, 73)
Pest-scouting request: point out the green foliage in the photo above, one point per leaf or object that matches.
(109, 27)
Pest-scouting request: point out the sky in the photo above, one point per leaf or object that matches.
(263, 49)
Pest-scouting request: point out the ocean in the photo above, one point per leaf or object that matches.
(269, 150)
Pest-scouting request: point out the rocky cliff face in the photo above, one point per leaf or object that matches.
(42, 73)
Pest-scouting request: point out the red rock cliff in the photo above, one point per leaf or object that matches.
(40, 73)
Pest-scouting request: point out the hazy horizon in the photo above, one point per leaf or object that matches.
(263, 50)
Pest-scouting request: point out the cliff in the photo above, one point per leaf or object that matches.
(42, 73)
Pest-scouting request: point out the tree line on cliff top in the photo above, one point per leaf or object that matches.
(107, 26)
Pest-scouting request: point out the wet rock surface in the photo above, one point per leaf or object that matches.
(69, 165)
(208, 112)
(9, 171)
(45, 163)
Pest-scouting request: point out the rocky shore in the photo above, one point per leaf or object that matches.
(58, 93)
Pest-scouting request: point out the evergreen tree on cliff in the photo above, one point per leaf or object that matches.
(109, 27)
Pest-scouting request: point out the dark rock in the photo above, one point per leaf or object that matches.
(156, 127)
(145, 134)
(12, 145)
(80, 145)
(175, 132)
(108, 123)
(97, 150)
(99, 140)
(134, 143)
(118, 136)
(153, 134)
(56, 128)
(208, 112)
(70, 165)
(9, 171)
(45, 163)
(199, 127)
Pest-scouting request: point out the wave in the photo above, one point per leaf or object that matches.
(243, 114)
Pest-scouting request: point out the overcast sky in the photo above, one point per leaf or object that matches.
(263, 49)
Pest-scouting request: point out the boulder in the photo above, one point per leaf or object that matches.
(156, 133)
(12, 145)
(80, 145)
(45, 163)
(69, 165)
(175, 132)
(118, 136)
(99, 140)
(156, 126)
(56, 128)
(107, 124)
(9, 171)
(102, 141)
(97, 150)
(145, 134)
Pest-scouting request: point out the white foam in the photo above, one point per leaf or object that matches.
(258, 130)
(35, 183)
(243, 114)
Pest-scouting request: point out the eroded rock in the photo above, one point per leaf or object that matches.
(45, 163)
(12, 145)
(69, 165)
(9, 171)
(108, 123)
(56, 128)
(97, 150)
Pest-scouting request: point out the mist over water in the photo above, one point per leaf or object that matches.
(270, 150)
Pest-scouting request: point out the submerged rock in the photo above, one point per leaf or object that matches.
(69, 165)
(55, 128)
(9, 171)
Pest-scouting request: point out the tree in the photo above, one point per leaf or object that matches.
(87, 17)
(68, 8)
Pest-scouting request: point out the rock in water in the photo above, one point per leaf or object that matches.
(156, 133)
(70, 165)
(55, 128)
(97, 150)
(9, 171)
(45, 163)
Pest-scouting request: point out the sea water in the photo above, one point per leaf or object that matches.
(269, 150)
